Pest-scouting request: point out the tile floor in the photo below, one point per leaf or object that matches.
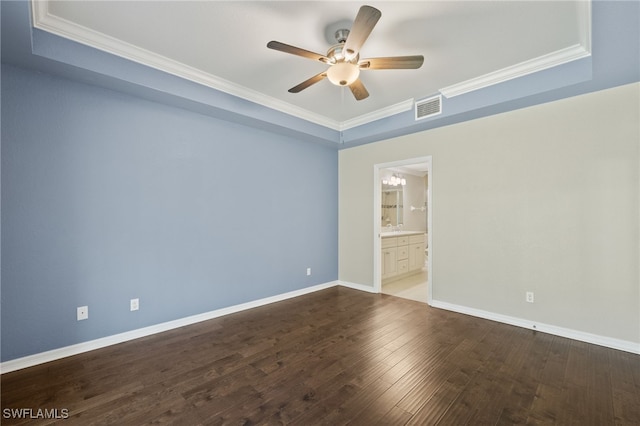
(413, 287)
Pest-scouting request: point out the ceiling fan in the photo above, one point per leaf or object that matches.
(343, 58)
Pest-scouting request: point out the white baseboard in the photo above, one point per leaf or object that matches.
(355, 286)
(623, 345)
(52, 355)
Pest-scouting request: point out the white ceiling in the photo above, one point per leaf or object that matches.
(223, 44)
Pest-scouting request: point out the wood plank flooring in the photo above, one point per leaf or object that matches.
(338, 356)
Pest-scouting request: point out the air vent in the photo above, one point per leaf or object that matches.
(429, 107)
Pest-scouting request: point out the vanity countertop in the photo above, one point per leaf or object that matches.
(399, 233)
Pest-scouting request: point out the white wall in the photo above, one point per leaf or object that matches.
(542, 199)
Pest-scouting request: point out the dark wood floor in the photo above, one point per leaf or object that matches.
(334, 357)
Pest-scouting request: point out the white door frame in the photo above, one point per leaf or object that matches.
(377, 212)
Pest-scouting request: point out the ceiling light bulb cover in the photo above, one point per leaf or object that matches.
(343, 73)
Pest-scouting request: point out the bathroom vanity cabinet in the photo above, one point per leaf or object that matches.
(403, 254)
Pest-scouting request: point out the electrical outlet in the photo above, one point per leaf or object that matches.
(529, 297)
(83, 313)
(134, 304)
(308, 271)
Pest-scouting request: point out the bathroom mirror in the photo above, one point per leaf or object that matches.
(392, 206)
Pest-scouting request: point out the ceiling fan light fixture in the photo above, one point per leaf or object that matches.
(343, 73)
(343, 58)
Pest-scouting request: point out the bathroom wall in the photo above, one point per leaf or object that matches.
(414, 195)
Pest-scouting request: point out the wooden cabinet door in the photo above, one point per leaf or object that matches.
(389, 262)
(416, 256)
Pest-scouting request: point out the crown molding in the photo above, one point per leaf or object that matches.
(553, 59)
(522, 69)
(43, 20)
(584, 23)
(377, 115)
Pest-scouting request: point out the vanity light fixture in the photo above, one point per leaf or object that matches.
(394, 180)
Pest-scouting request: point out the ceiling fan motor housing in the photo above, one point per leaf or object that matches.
(341, 35)
(336, 53)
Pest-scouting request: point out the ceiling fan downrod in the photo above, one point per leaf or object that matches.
(341, 35)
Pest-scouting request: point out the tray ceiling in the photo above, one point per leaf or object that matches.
(222, 44)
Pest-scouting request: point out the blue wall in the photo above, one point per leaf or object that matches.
(108, 197)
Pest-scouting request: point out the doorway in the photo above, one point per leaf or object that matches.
(403, 225)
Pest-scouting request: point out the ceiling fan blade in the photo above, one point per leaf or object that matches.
(286, 48)
(313, 80)
(362, 26)
(358, 90)
(392, 63)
